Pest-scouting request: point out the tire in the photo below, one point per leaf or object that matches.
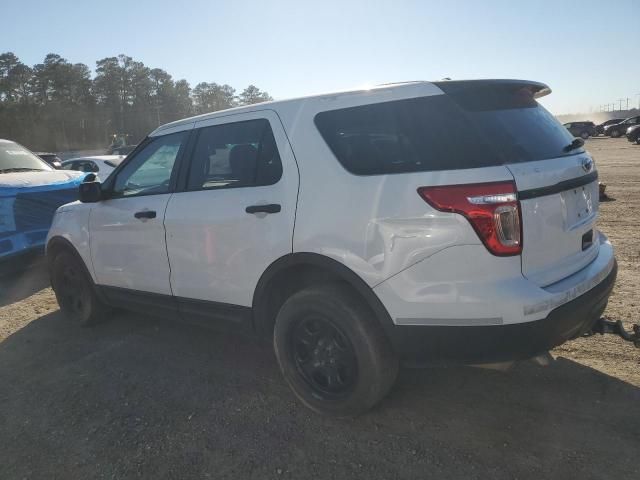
(615, 134)
(74, 291)
(584, 135)
(332, 352)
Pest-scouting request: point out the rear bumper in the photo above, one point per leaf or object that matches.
(497, 343)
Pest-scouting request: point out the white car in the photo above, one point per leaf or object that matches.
(101, 165)
(416, 222)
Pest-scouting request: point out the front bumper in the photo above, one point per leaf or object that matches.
(499, 343)
(20, 243)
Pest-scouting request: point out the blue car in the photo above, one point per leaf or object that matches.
(30, 193)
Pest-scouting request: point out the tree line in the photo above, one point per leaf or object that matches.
(57, 105)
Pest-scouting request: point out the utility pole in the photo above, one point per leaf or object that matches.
(627, 103)
(638, 95)
(620, 100)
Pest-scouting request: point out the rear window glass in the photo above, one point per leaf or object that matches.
(466, 129)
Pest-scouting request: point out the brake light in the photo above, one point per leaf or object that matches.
(492, 209)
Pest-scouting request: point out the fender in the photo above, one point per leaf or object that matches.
(330, 265)
(57, 244)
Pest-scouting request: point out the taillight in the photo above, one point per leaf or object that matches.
(492, 209)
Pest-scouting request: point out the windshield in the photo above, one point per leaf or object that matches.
(16, 158)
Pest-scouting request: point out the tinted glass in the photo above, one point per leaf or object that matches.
(443, 132)
(16, 158)
(86, 166)
(149, 172)
(238, 154)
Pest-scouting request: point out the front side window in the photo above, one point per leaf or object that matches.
(240, 154)
(149, 171)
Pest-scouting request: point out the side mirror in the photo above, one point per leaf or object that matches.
(90, 192)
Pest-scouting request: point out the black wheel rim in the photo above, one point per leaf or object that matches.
(72, 292)
(324, 357)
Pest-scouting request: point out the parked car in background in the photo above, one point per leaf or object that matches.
(581, 129)
(633, 134)
(101, 165)
(30, 193)
(618, 129)
(123, 150)
(51, 158)
(611, 121)
(471, 248)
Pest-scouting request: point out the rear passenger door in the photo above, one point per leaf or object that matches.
(236, 212)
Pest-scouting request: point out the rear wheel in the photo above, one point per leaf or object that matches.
(332, 352)
(74, 291)
(584, 135)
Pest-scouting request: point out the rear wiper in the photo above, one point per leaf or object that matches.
(577, 143)
(20, 169)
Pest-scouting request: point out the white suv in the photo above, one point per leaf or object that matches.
(420, 222)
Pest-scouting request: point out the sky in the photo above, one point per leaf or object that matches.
(586, 51)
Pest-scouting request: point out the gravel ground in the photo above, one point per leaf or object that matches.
(141, 397)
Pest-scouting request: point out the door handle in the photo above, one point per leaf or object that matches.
(145, 214)
(270, 208)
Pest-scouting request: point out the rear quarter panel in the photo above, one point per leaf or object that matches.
(375, 225)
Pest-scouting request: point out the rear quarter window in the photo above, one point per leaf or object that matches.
(443, 132)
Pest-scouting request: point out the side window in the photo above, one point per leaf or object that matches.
(241, 154)
(86, 166)
(149, 172)
(69, 166)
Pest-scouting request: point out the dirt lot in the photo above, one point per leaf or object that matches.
(140, 397)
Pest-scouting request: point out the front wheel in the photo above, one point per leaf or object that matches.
(615, 134)
(584, 135)
(332, 352)
(74, 291)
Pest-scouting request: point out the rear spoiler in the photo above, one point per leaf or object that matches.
(537, 89)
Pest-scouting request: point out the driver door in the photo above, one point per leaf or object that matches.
(126, 231)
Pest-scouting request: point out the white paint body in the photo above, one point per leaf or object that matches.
(427, 267)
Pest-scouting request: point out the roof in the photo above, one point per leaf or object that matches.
(411, 88)
(97, 157)
(274, 104)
